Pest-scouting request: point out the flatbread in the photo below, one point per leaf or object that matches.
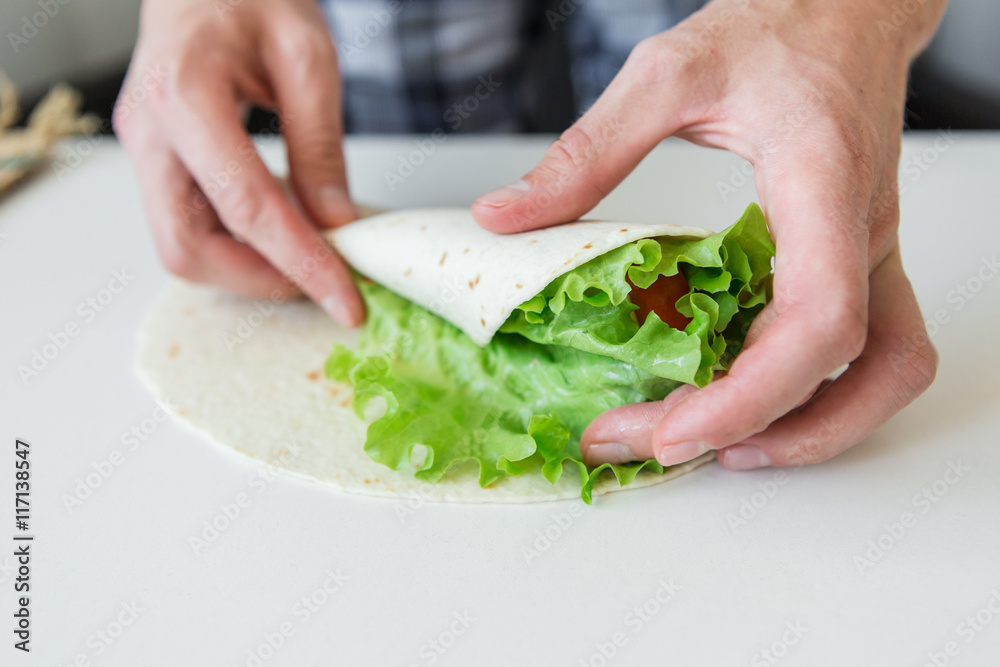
(442, 260)
(254, 383)
(249, 374)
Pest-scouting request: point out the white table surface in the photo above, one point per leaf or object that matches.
(738, 590)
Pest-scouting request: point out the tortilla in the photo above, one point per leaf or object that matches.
(249, 374)
(442, 260)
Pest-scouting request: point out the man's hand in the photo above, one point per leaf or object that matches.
(812, 94)
(196, 66)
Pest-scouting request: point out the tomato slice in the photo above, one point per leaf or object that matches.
(660, 298)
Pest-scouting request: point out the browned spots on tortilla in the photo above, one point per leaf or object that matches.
(588, 246)
(533, 241)
(423, 228)
(519, 286)
(173, 351)
(313, 375)
(408, 272)
(441, 262)
(346, 403)
(567, 261)
(623, 230)
(465, 251)
(282, 453)
(473, 283)
(181, 412)
(367, 481)
(482, 321)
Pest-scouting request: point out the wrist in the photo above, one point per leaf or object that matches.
(909, 23)
(904, 27)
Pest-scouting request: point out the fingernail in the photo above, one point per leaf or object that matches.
(505, 195)
(745, 457)
(609, 452)
(339, 312)
(681, 452)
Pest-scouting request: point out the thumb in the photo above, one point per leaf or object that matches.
(307, 87)
(590, 159)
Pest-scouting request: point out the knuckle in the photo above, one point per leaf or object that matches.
(119, 119)
(845, 328)
(884, 210)
(822, 442)
(805, 451)
(574, 149)
(185, 77)
(914, 369)
(179, 244)
(308, 51)
(245, 212)
(183, 84)
(736, 428)
(130, 104)
(682, 64)
(179, 259)
(572, 159)
(649, 65)
(883, 218)
(320, 154)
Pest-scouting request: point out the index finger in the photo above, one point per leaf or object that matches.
(207, 134)
(639, 109)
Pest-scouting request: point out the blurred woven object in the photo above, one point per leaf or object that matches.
(55, 117)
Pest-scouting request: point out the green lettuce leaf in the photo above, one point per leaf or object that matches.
(520, 404)
(587, 309)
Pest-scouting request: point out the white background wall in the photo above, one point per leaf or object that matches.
(83, 39)
(88, 38)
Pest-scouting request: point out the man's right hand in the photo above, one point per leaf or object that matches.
(197, 64)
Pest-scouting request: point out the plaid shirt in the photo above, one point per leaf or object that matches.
(484, 65)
